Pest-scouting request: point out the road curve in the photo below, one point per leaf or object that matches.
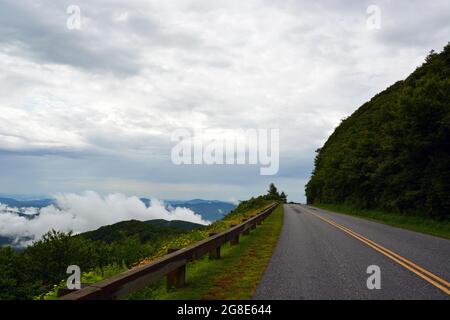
(325, 255)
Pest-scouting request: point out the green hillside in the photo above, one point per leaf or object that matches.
(393, 153)
(175, 224)
(145, 231)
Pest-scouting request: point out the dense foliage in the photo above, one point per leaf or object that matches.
(393, 153)
(177, 224)
(33, 271)
(144, 231)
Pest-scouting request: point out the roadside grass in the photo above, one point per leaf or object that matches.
(439, 228)
(179, 241)
(234, 276)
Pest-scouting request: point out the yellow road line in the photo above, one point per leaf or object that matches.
(421, 272)
(435, 277)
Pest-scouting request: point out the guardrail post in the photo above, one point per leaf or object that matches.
(246, 230)
(234, 241)
(215, 253)
(177, 277)
(253, 226)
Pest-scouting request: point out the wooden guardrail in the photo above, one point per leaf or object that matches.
(172, 265)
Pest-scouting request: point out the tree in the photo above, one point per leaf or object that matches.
(273, 194)
(283, 197)
(273, 191)
(56, 250)
(16, 280)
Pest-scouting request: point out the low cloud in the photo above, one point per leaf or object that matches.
(234, 201)
(83, 212)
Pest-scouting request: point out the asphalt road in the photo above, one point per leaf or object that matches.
(317, 259)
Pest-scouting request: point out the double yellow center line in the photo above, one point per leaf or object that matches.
(411, 266)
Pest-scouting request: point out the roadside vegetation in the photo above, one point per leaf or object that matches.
(234, 276)
(439, 228)
(40, 269)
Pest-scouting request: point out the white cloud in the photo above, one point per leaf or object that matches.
(87, 211)
(233, 200)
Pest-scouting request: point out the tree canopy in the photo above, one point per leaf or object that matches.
(393, 153)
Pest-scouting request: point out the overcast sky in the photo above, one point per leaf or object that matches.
(94, 108)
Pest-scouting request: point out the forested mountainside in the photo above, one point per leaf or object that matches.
(393, 153)
(151, 230)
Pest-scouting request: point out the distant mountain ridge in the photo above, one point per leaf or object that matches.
(37, 203)
(210, 210)
(177, 224)
(151, 230)
(5, 240)
(193, 201)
